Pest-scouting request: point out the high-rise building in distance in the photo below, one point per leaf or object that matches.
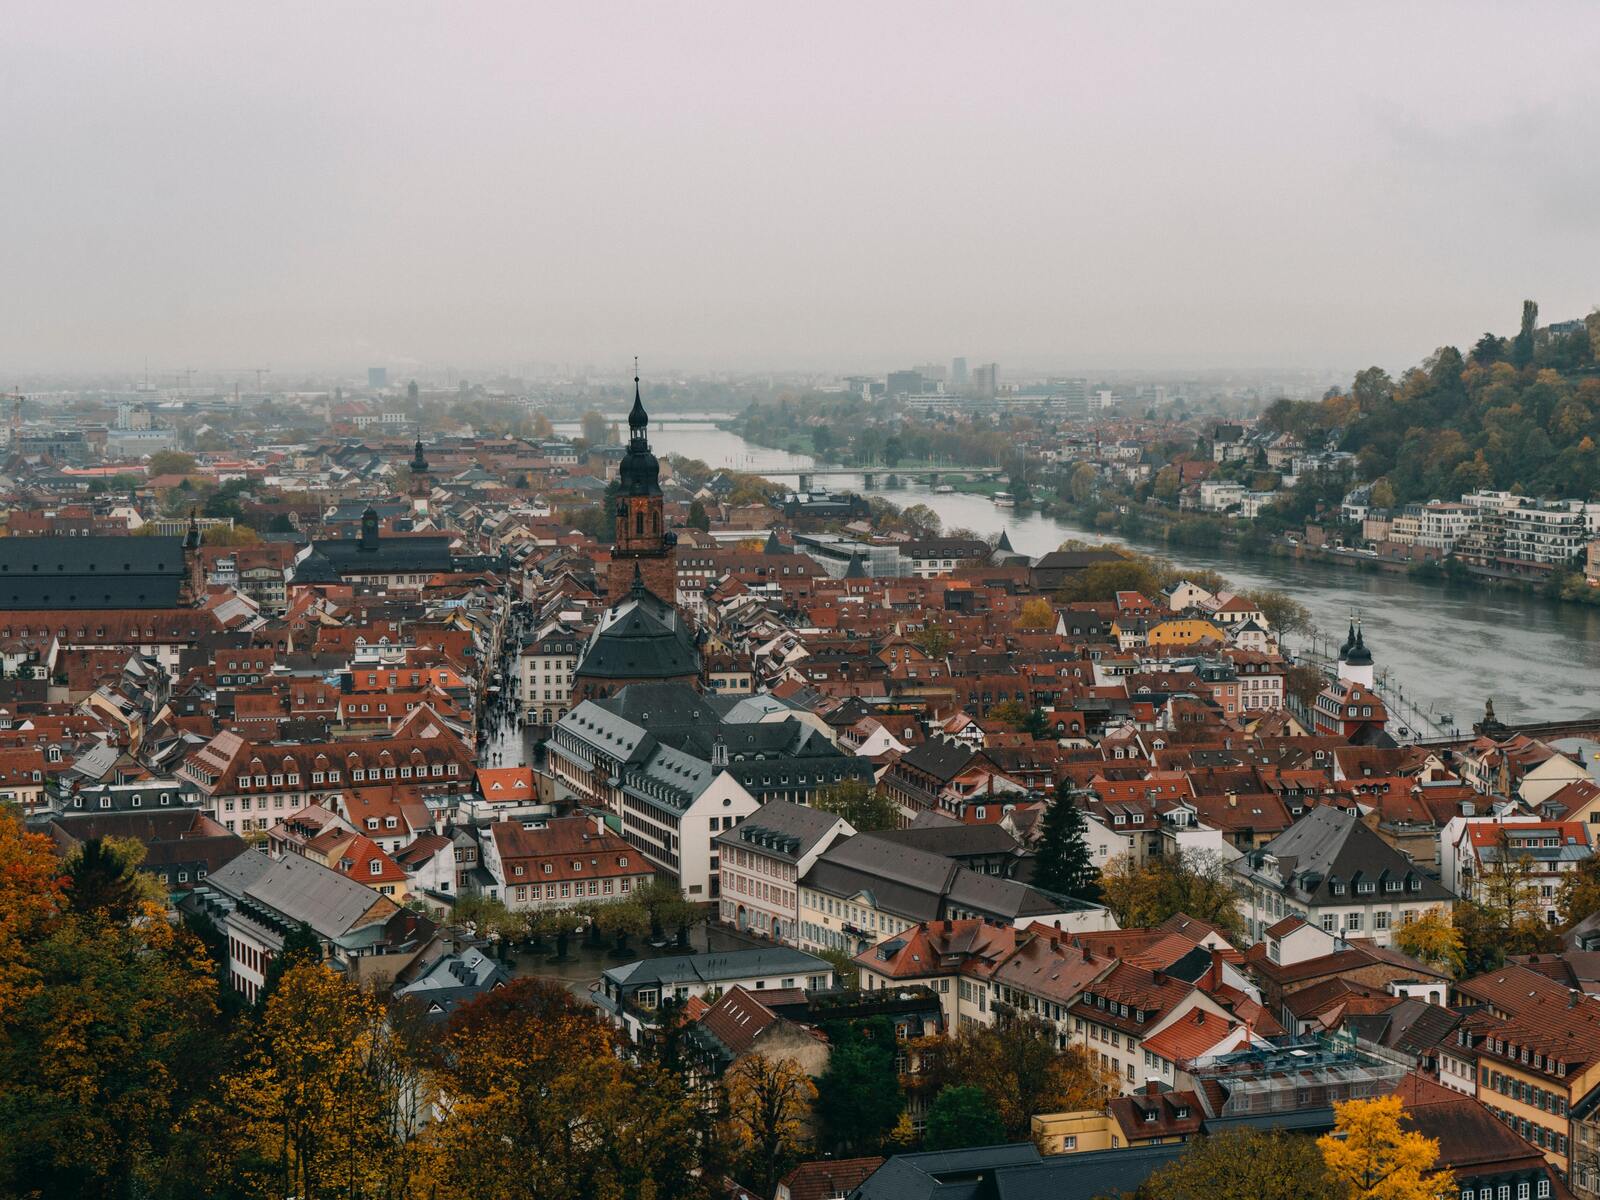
(958, 372)
(377, 377)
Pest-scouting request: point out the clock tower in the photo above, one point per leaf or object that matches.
(642, 540)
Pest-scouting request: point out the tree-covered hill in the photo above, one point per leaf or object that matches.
(1520, 413)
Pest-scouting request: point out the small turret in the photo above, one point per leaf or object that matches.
(1355, 660)
(369, 529)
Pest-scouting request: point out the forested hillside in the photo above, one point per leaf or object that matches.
(1518, 413)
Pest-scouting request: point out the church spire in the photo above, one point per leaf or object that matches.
(638, 419)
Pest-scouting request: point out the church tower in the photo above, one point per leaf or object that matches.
(643, 543)
(421, 484)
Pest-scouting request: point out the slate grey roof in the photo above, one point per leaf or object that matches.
(716, 968)
(953, 839)
(1016, 1172)
(919, 886)
(643, 637)
(939, 758)
(645, 720)
(1330, 847)
(90, 572)
(298, 890)
(454, 979)
(393, 555)
(947, 1174)
(781, 830)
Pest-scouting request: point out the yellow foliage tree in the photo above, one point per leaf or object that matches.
(1020, 1068)
(31, 886)
(769, 1116)
(543, 1105)
(1037, 614)
(316, 1110)
(1432, 938)
(1370, 1157)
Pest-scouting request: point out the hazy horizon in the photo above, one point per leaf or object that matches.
(827, 187)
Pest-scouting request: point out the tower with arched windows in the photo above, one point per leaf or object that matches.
(643, 543)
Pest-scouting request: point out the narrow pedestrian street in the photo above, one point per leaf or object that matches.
(506, 743)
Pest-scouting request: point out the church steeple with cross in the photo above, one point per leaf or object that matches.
(643, 542)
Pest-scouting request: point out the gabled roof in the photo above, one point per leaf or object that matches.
(1330, 848)
(642, 637)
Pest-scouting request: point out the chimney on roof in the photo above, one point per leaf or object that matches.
(948, 924)
(1572, 997)
(1152, 1086)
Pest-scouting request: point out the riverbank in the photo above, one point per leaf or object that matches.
(1171, 532)
(1453, 645)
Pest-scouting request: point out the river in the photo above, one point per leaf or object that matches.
(1450, 647)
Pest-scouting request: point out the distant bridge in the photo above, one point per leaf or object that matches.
(1578, 727)
(1544, 731)
(870, 476)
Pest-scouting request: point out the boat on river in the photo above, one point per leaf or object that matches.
(1004, 500)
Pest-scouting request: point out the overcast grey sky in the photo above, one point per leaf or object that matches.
(801, 184)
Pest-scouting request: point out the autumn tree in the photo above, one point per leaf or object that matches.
(1370, 1157)
(621, 920)
(1010, 712)
(300, 945)
(858, 802)
(920, 521)
(103, 877)
(1243, 1164)
(169, 462)
(1504, 912)
(1103, 580)
(1168, 482)
(543, 1105)
(108, 1029)
(1062, 861)
(1578, 895)
(668, 908)
(595, 430)
(1197, 883)
(1037, 614)
(932, 640)
(317, 1109)
(1283, 612)
(961, 1116)
(769, 1114)
(488, 917)
(1432, 938)
(1019, 1068)
(1304, 683)
(231, 535)
(555, 924)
